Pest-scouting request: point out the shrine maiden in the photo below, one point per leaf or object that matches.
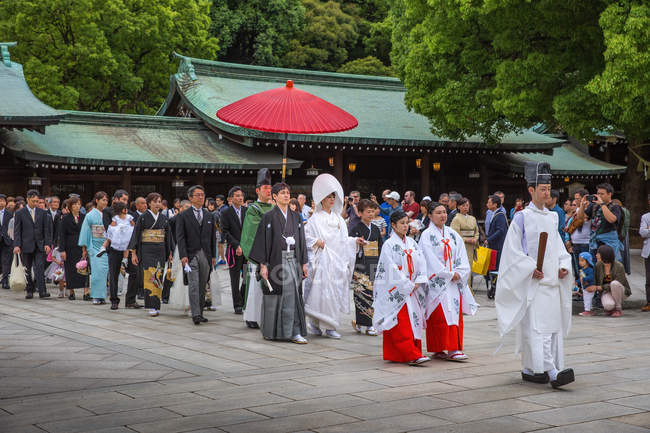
(449, 295)
(536, 303)
(400, 295)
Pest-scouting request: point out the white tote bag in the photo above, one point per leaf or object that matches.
(17, 277)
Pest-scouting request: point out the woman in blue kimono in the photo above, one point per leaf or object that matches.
(91, 239)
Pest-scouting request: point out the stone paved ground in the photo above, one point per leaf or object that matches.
(68, 367)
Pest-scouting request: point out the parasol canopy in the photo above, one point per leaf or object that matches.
(287, 110)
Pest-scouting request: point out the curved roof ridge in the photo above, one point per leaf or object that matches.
(269, 73)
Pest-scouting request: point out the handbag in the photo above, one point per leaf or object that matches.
(482, 263)
(17, 277)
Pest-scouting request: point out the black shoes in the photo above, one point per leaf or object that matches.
(252, 325)
(536, 377)
(87, 297)
(114, 305)
(165, 301)
(133, 306)
(72, 296)
(203, 319)
(563, 377)
(197, 320)
(239, 310)
(29, 295)
(44, 295)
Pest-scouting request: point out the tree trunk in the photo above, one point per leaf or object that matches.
(635, 187)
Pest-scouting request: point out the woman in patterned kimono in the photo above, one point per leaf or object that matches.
(150, 244)
(400, 294)
(365, 266)
(449, 296)
(91, 239)
(465, 225)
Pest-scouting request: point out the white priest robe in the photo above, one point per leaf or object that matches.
(401, 266)
(540, 310)
(445, 254)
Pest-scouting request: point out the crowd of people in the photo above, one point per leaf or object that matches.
(293, 264)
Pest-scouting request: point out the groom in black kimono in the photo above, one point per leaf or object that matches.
(279, 247)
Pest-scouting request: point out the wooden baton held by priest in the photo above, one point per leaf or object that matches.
(543, 237)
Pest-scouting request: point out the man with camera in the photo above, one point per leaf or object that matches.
(604, 216)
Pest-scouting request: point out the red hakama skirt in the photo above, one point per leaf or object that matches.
(441, 336)
(399, 343)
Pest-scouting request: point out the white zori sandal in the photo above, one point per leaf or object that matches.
(457, 356)
(420, 360)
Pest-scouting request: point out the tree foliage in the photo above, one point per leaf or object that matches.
(324, 41)
(488, 67)
(104, 55)
(256, 31)
(366, 66)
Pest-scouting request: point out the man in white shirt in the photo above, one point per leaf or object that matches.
(306, 210)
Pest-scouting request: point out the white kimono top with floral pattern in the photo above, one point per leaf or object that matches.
(400, 269)
(445, 254)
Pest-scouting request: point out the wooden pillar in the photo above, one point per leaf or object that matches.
(200, 179)
(126, 182)
(338, 165)
(425, 176)
(479, 208)
(46, 182)
(404, 184)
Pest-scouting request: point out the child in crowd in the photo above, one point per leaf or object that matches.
(55, 272)
(586, 279)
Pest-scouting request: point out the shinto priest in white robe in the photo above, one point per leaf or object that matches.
(540, 310)
(327, 288)
(445, 254)
(401, 266)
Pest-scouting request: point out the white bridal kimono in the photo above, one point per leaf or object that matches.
(539, 309)
(401, 266)
(327, 288)
(445, 254)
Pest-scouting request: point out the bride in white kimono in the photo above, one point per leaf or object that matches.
(449, 295)
(331, 254)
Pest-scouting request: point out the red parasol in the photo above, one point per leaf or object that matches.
(287, 110)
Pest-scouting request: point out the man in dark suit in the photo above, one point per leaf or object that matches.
(496, 234)
(32, 239)
(54, 212)
(232, 219)
(6, 243)
(196, 238)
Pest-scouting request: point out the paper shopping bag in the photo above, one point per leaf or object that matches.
(482, 262)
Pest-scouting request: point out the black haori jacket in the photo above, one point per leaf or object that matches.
(270, 242)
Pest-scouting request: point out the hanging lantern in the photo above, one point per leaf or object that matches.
(331, 161)
(567, 179)
(352, 167)
(418, 163)
(436, 166)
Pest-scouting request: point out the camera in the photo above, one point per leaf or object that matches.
(592, 198)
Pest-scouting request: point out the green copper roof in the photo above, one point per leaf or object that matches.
(566, 160)
(19, 108)
(133, 140)
(377, 103)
